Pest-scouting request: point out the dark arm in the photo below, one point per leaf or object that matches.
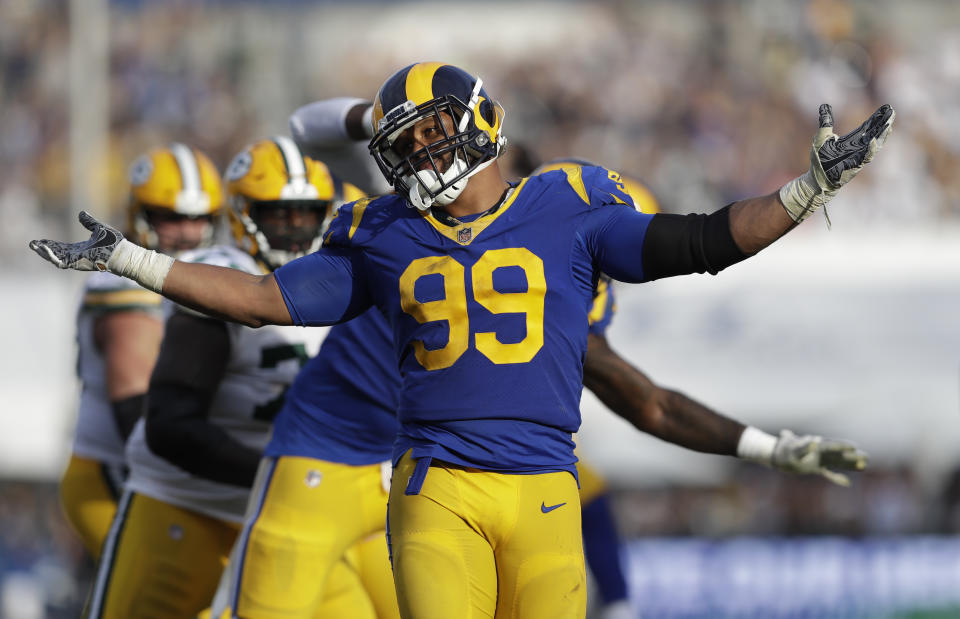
(758, 222)
(192, 362)
(229, 294)
(666, 414)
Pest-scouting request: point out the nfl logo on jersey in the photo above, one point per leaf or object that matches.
(464, 235)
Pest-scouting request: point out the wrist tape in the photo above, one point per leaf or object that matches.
(756, 445)
(144, 266)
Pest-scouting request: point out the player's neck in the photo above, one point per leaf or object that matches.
(482, 192)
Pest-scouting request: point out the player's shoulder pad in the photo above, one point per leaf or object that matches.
(105, 292)
(357, 223)
(605, 186)
(595, 186)
(223, 256)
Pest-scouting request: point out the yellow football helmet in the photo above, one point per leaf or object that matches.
(280, 201)
(172, 182)
(643, 198)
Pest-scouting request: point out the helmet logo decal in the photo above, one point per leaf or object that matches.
(140, 171)
(240, 166)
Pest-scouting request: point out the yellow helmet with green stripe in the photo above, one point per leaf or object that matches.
(281, 201)
(176, 181)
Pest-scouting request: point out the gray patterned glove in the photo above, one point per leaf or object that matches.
(816, 455)
(835, 160)
(90, 255)
(107, 250)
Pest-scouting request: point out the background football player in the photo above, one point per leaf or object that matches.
(483, 515)
(213, 395)
(175, 193)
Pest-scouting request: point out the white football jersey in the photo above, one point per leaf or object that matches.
(96, 436)
(263, 362)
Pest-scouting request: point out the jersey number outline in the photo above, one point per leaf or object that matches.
(270, 357)
(453, 307)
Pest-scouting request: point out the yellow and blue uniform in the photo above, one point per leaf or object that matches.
(489, 385)
(342, 406)
(313, 543)
(338, 418)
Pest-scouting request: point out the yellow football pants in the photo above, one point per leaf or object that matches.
(313, 544)
(159, 561)
(475, 544)
(89, 490)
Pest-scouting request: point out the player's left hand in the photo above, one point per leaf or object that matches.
(835, 160)
(813, 454)
(89, 255)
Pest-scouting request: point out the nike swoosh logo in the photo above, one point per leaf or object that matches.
(545, 509)
(105, 240)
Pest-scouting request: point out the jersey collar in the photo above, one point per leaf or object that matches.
(463, 233)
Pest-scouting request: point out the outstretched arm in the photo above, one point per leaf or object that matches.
(675, 418)
(680, 244)
(227, 294)
(666, 414)
(220, 292)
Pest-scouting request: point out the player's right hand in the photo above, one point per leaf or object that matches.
(89, 255)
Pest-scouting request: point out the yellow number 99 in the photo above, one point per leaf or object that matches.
(453, 307)
(529, 303)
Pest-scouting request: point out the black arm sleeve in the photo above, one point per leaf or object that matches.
(178, 431)
(680, 244)
(191, 364)
(126, 412)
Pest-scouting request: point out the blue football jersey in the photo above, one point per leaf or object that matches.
(488, 318)
(342, 407)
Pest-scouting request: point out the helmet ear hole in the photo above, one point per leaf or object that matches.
(487, 112)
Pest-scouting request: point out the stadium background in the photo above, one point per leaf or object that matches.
(850, 332)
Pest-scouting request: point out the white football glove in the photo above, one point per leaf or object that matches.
(107, 250)
(811, 454)
(834, 161)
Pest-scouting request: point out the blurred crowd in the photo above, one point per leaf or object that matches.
(706, 101)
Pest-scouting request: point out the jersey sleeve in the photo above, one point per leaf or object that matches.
(603, 307)
(325, 287)
(613, 231)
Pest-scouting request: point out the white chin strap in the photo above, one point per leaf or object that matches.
(425, 180)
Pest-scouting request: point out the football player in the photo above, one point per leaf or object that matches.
(486, 287)
(175, 193)
(213, 394)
